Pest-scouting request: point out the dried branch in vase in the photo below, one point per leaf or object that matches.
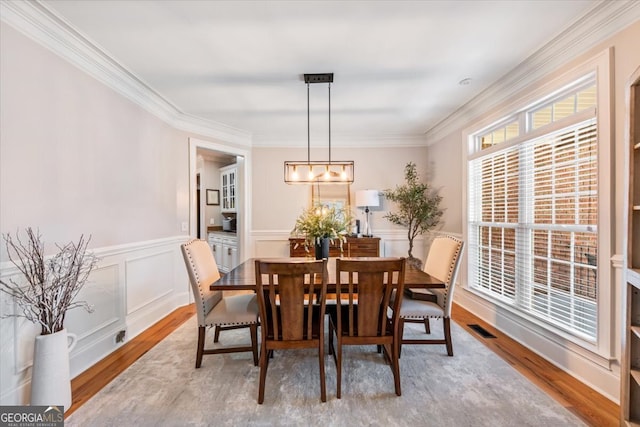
(50, 285)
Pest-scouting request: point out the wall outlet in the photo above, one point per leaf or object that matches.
(120, 336)
(185, 226)
(212, 221)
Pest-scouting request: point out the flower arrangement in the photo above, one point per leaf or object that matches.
(320, 221)
(52, 284)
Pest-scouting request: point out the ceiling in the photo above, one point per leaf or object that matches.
(397, 64)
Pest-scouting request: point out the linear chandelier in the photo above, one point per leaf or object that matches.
(318, 172)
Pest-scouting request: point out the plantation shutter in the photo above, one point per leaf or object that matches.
(533, 223)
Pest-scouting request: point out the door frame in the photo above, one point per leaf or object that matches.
(243, 203)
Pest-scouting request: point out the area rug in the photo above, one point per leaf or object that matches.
(473, 388)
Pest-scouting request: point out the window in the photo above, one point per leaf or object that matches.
(533, 211)
(501, 134)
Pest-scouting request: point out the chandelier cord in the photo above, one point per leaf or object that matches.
(329, 123)
(308, 130)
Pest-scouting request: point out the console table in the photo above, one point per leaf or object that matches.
(353, 247)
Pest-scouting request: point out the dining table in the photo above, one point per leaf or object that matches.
(243, 277)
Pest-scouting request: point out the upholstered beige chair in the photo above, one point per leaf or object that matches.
(442, 263)
(214, 310)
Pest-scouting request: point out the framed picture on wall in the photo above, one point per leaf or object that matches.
(213, 197)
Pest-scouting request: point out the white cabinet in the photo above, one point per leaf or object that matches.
(229, 253)
(225, 250)
(216, 247)
(229, 184)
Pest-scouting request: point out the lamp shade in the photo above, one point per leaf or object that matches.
(367, 198)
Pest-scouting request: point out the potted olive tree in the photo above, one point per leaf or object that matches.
(417, 208)
(47, 289)
(321, 225)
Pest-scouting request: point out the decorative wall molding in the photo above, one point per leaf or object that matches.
(600, 23)
(153, 268)
(37, 21)
(150, 274)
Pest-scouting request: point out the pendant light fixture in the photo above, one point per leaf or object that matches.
(318, 172)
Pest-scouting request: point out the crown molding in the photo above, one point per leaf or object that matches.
(601, 22)
(38, 22)
(44, 26)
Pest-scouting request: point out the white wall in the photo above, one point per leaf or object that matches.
(445, 175)
(77, 158)
(446, 152)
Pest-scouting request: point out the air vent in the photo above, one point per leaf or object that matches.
(318, 78)
(482, 331)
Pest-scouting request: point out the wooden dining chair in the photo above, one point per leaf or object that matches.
(214, 310)
(366, 320)
(443, 263)
(289, 322)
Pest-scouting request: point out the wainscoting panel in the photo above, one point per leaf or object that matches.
(134, 286)
(146, 279)
(104, 295)
(271, 248)
(395, 243)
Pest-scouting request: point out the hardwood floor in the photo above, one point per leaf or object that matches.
(590, 406)
(91, 381)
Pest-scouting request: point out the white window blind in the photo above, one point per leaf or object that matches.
(533, 223)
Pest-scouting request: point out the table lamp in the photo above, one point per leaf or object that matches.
(366, 199)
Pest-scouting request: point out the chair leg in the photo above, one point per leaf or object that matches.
(447, 335)
(427, 328)
(264, 364)
(323, 387)
(200, 350)
(216, 334)
(254, 342)
(397, 345)
(395, 367)
(339, 370)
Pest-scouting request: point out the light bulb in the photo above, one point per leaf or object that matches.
(310, 172)
(343, 175)
(294, 175)
(327, 175)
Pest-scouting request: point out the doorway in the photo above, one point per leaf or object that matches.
(222, 154)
